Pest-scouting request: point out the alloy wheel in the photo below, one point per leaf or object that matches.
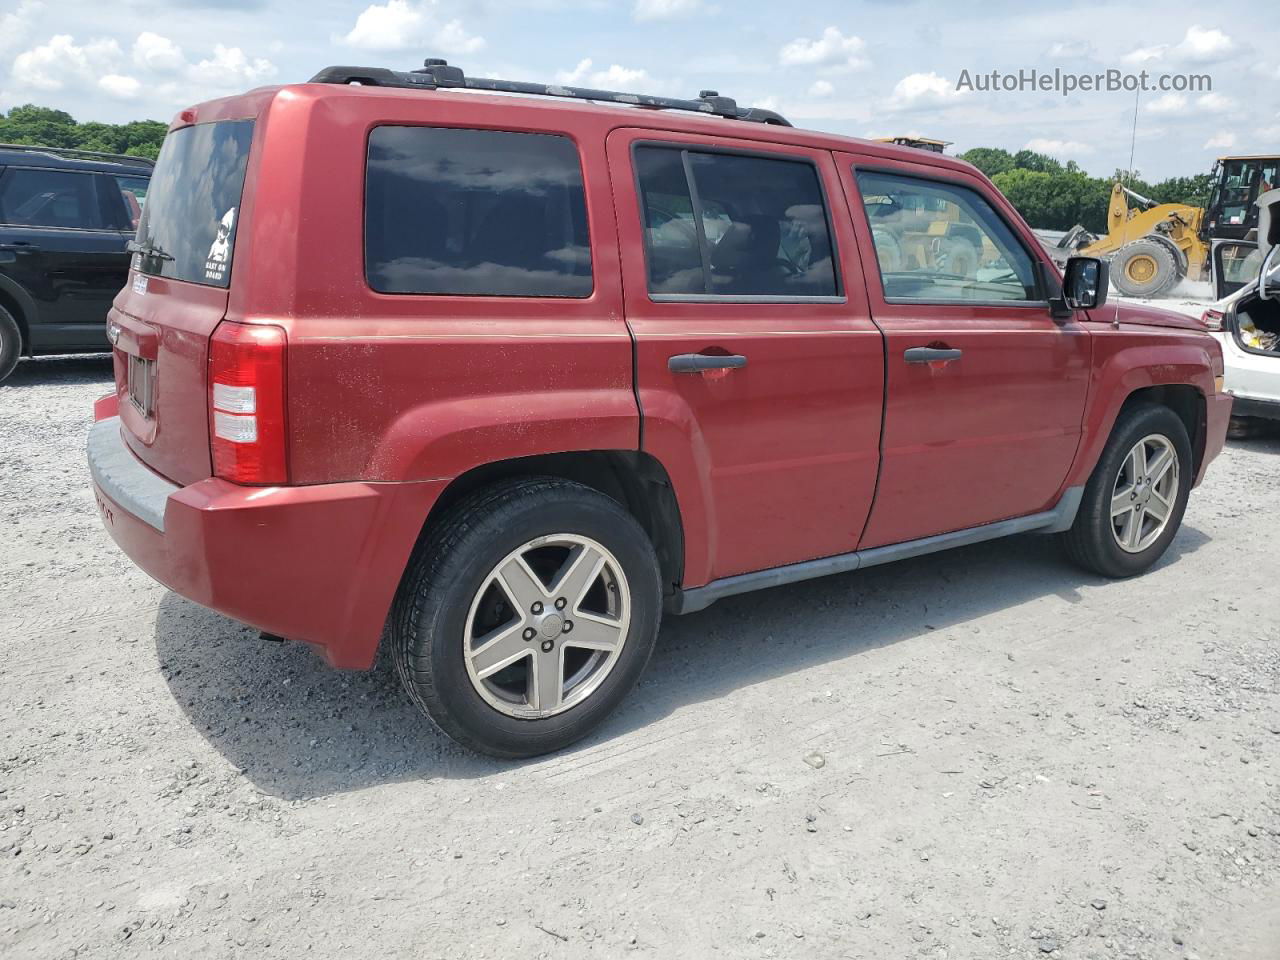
(1144, 494)
(547, 626)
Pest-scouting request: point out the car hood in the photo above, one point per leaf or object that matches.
(1145, 315)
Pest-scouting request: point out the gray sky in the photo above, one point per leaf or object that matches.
(861, 68)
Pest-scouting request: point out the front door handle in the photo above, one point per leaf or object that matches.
(930, 354)
(700, 362)
(20, 245)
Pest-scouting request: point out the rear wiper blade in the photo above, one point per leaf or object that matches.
(147, 250)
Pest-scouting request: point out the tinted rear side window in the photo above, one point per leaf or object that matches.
(475, 212)
(725, 224)
(193, 202)
(49, 198)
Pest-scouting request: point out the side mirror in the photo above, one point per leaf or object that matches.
(1085, 282)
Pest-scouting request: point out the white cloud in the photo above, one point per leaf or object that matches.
(158, 54)
(1198, 45)
(821, 88)
(51, 65)
(1220, 140)
(1059, 148)
(1145, 54)
(229, 67)
(120, 86)
(1202, 45)
(922, 89)
(405, 25)
(832, 52)
(1071, 50)
(1214, 103)
(616, 77)
(665, 9)
(1169, 103)
(16, 26)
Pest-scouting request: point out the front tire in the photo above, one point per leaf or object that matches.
(1135, 498)
(527, 616)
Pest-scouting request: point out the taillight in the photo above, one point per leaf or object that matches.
(246, 403)
(1212, 319)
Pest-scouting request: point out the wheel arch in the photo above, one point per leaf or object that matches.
(13, 300)
(636, 480)
(1187, 401)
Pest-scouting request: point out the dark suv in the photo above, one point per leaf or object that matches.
(66, 217)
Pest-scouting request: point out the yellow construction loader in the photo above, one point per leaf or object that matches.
(1152, 245)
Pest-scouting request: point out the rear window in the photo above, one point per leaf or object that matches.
(192, 204)
(475, 212)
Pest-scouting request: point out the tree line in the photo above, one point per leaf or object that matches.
(1048, 193)
(1052, 195)
(41, 126)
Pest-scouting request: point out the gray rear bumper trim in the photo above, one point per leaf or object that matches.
(124, 478)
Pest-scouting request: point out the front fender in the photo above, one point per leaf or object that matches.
(1127, 360)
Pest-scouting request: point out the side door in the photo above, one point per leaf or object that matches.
(61, 242)
(759, 373)
(985, 388)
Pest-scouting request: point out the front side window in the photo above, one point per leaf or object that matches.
(939, 241)
(475, 212)
(758, 227)
(49, 198)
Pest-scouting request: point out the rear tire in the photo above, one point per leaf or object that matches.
(1125, 544)
(525, 582)
(10, 343)
(1144, 268)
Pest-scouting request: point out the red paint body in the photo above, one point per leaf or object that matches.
(825, 443)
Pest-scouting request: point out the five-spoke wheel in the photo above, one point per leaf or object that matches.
(529, 612)
(1133, 503)
(1145, 490)
(547, 625)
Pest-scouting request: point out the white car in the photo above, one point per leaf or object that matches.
(1247, 324)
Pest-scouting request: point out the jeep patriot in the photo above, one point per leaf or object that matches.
(495, 380)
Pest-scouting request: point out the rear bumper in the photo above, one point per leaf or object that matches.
(319, 563)
(1217, 416)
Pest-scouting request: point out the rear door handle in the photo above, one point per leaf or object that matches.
(698, 362)
(930, 354)
(18, 246)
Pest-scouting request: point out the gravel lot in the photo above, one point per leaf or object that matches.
(983, 753)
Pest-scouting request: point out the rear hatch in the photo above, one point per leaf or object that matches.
(177, 294)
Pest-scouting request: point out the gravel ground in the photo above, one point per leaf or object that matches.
(983, 753)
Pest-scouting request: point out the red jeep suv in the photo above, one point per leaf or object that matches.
(494, 380)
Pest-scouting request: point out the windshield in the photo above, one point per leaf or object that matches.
(188, 224)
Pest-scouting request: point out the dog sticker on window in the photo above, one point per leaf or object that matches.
(215, 266)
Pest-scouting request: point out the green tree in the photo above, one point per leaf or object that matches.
(990, 160)
(41, 126)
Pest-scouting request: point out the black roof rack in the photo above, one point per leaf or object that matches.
(74, 154)
(436, 74)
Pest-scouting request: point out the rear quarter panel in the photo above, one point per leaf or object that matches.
(404, 387)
